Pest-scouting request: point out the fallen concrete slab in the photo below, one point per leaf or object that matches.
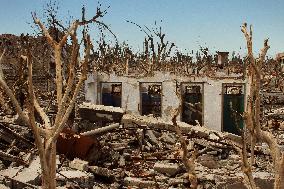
(169, 169)
(131, 120)
(139, 182)
(82, 178)
(30, 174)
(98, 113)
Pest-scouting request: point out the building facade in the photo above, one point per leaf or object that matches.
(210, 102)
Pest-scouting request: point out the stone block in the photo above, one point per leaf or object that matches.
(79, 164)
(170, 169)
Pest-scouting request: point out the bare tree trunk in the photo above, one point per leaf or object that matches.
(252, 118)
(127, 66)
(246, 167)
(46, 134)
(188, 163)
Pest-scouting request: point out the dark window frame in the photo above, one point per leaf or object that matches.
(224, 85)
(202, 99)
(140, 95)
(101, 91)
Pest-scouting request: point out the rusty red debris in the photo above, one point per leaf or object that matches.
(74, 145)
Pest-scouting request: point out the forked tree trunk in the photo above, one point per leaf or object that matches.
(45, 133)
(252, 116)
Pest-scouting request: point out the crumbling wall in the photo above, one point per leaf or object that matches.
(131, 102)
(90, 88)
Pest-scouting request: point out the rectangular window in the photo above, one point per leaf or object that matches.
(111, 93)
(150, 98)
(192, 103)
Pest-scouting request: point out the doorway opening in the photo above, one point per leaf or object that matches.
(233, 107)
(192, 103)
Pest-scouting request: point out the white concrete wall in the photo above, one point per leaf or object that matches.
(90, 89)
(213, 104)
(212, 99)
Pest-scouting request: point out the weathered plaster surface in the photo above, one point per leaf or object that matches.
(212, 106)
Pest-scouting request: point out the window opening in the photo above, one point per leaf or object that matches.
(151, 100)
(111, 94)
(192, 103)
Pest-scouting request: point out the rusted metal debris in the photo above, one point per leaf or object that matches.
(74, 145)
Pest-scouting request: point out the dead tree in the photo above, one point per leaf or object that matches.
(156, 49)
(246, 166)
(188, 162)
(47, 132)
(252, 114)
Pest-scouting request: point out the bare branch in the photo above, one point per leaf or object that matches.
(252, 118)
(188, 163)
(61, 122)
(70, 31)
(31, 114)
(50, 40)
(74, 60)
(1, 71)
(263, 51)
(248, 37)
(14, 101)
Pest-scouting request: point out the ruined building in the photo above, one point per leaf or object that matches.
(212, 98)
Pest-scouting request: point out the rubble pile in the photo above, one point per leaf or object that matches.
(107, 147)
(132, 154)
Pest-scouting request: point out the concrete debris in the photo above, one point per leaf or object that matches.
(100, 171)
(131, 120)
(30, 174)
(139, 182)
(208, 161)
(95, 113)
(84, 179)
(122, 161)
(177, 181)
(152, 138)
(2, 186)
(11, 171)
(79, 164)
(213, 136)
(169, 169)
(166, 137)
(20, 177)
(263, 175)
(137, 152)
(101, 107)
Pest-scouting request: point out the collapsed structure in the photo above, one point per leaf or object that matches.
(208, 100)
(140, 147)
